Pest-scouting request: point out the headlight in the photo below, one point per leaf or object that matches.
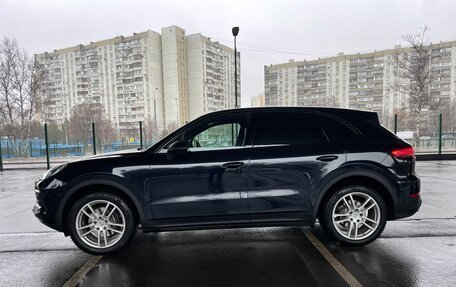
(54, 170)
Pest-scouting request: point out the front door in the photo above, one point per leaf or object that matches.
(207, 184)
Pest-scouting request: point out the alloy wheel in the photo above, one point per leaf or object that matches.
(356, 216)
(100, 224)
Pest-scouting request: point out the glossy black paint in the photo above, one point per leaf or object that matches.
(244, 185)
(199, 189)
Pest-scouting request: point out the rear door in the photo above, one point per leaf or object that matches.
(290, 155)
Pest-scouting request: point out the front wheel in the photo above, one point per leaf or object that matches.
(354, 215)
(101, 223)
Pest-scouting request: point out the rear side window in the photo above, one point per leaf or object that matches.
(287, 128)
(336, 130)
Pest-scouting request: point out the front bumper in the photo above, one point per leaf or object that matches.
(40, 212)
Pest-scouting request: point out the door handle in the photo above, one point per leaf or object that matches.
(327, 158)
(233, 165)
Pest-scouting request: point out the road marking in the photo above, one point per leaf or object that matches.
(29, 233)
(77, 277)
(343, 272)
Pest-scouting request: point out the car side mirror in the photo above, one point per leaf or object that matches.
(177, 149)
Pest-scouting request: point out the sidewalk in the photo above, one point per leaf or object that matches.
(33, 163)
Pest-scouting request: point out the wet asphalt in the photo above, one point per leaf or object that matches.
(418, 251)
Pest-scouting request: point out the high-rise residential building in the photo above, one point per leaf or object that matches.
(358, 81)
(257, 101)
(168, 78)
(175, 74)
(123, 74)
(210, 76)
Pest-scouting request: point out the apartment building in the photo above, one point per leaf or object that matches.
(257, 101)
(169, 77)
(358, 81)
(175, 74)
(210, 76)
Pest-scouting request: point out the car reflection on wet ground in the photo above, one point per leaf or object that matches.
(418, 251)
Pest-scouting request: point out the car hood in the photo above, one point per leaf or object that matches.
(110, 155)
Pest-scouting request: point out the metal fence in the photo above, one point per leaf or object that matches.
(48, 147)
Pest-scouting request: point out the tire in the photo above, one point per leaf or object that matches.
(107, 232)
(354, 225)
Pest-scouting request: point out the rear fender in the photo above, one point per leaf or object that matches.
(352, 171)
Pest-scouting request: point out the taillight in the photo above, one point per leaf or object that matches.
(403, 153)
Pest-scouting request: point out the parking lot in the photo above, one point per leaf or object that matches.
(417, 251)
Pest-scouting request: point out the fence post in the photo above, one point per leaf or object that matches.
(1, 160)
(31, 148)
(440, 133)
(94, 141)
(140, 135)
(395, 124)
(46, 140)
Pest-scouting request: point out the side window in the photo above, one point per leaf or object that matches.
(337, 130)
(287, 128)
(218, 136)
(219, 132)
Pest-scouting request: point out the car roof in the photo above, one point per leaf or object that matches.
(353, 117)
(335, 111)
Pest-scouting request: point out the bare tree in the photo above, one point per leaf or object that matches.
(449, 117)
(81, 119)
(105, 130)
(20, 89)
(151, 132)
(413, 75)
(403, 120)
(168, 129)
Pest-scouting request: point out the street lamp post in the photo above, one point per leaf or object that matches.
(177, 112)
(235, 31)
(155, 116)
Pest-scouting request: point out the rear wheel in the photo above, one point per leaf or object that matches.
(101, 223)
(354, 215)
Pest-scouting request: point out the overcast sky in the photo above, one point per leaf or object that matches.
(271, 32)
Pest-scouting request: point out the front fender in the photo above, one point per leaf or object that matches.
(113, 181)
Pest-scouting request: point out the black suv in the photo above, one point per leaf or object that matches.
(239, 168)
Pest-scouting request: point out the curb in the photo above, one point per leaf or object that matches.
(426, 157)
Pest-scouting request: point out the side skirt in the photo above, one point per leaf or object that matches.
(226, 226)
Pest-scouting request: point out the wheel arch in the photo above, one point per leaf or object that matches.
(367, 178)
(86, 187)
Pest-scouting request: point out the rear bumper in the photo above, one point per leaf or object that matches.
(409, 197)
(410, 208)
